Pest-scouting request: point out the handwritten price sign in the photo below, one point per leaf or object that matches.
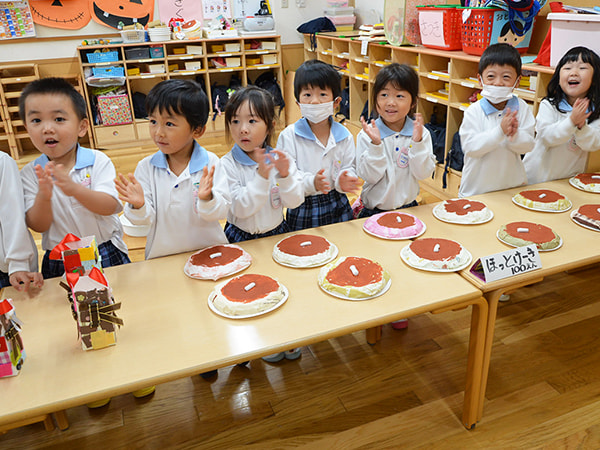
(511, 262)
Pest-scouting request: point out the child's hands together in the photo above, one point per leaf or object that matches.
(580, 112)
(130, 190)
(371, 129)
(281, 162)
(321, 183)
(206, 184)
(21, 280)
(61, 178)
(265, 163)
(509, 123)
(349, 183)
(417, 135)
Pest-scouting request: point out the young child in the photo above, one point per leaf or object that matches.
(69, 189)
(498, 129)
(181, 190)
(567, 120)
(395, 151)
(262, 180)
(18, 254)
(323, 149)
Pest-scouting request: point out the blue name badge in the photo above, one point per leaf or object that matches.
(510, 263)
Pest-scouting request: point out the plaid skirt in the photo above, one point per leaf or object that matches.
(320, 209)
(235, 234)
(366, 212)
(111, 256)
(4, 280)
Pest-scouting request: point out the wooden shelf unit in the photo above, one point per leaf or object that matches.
(178, 61)
(452, 71)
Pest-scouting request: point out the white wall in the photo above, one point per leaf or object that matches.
(286, 22)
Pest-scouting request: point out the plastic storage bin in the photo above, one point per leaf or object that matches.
(157, 52)
(130, 36)
(108, 72)
(572, 30)
(343, 23)
(483, 27)
(137, 53)
(440, 26)
(99, 57)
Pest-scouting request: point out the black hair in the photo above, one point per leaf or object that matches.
(500, 54)
(554, 92)
(260, 103)
(182, 97)
(53, 85)
(317, 73)
(507, 28)
(401, 77)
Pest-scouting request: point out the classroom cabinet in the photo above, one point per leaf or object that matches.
(14, 139)
(137, 67)
(447, 85)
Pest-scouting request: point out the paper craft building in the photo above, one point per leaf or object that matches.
(94, 309)
(12, 353)
(79, 255)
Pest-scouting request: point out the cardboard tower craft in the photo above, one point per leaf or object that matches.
(12, 353)
(91, 298)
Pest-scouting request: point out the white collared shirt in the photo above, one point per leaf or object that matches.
(310, 155)
(179, 221)
(392, 169)
(561, 149)
(492, 160)
(17, 249)
(94, 170)
(257, 203)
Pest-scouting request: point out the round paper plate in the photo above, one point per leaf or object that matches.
(404, 257)
(582, 224)
(572, 183)
(437, 208)
(545, 210)
(343, 297)
(333, 255)
(226, 274)
(396, 239)
(539, 249)
(213, 308)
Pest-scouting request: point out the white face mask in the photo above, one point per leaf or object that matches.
(316, 113)
(497, 94)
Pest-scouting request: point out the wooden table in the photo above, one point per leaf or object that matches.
(581, 247)
(170, 333)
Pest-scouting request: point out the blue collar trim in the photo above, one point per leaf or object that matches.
(385, 131)
(488, 108)
(240, 156)
(198, 160)
(564, 106)
(84, 158)
(338, 131)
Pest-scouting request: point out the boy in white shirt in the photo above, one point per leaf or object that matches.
(324, 150)
(498, 129)
(69, 189)
(181, 191)
(18, 255)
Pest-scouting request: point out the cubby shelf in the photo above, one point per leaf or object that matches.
(208, 61)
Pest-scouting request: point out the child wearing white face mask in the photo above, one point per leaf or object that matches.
(497, 129)
(323, 149)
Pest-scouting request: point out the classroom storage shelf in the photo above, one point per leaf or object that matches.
(208, 61)
(447, 79)
(14, 139)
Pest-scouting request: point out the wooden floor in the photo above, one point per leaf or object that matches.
(404, 392)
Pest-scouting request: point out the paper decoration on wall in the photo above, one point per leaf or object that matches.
(215, 8)
(176, 9)
(12, 353)
(112, 13)
(64, 14)
(15, 20)
(94, 309)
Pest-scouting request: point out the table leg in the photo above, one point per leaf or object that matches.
(374, 334)
(61, 419)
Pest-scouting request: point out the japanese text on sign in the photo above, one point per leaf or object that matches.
(511, 262)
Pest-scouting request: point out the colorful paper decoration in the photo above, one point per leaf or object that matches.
(15, 20)
(79, 255)
(63, 14)
(115, 14)
(12, 353)
(94, 309)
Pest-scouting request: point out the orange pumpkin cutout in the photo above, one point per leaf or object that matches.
(112, 12)
(64, 14)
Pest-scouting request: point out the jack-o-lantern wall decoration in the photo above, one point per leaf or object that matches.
(65, 14)
(112, 12)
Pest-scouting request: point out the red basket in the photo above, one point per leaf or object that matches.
(483, 25)
(444, 22)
